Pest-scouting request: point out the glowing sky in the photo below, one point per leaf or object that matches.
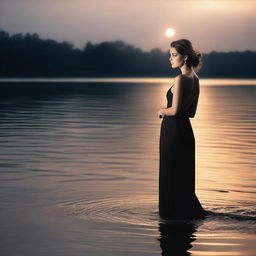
(220, 25)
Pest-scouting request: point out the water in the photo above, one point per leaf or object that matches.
(79, 169)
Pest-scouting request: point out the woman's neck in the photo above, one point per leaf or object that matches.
(186, 70)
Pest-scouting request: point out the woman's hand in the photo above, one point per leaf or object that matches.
(160, 113)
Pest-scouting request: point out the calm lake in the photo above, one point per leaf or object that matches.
(79, 168)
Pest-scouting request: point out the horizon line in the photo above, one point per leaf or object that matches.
(203, 81)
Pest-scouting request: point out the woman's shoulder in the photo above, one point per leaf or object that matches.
(188, 83)
(179, 77)
(185, 78)
(182, 79)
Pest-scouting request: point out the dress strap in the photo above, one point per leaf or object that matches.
(171, 87)
(172, 84)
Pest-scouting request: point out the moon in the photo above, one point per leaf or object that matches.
(169, 32)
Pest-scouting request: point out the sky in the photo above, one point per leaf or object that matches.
(220, 25)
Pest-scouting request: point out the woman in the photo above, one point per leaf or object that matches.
(177, 198)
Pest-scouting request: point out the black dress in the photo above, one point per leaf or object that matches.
(177, 198)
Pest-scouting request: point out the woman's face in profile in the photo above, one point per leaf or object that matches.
(176, 59)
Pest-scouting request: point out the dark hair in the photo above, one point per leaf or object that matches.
(184, 47)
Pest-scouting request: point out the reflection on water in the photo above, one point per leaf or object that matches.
(79, 169)
(176, 237)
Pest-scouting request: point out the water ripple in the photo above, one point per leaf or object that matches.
(133, 210)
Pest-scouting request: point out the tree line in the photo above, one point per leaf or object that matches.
(30, 56)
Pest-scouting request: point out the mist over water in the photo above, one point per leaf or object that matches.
(79, 169)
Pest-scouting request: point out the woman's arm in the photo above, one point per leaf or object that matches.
(177, 97)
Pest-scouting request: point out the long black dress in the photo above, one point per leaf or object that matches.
(177, 198)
